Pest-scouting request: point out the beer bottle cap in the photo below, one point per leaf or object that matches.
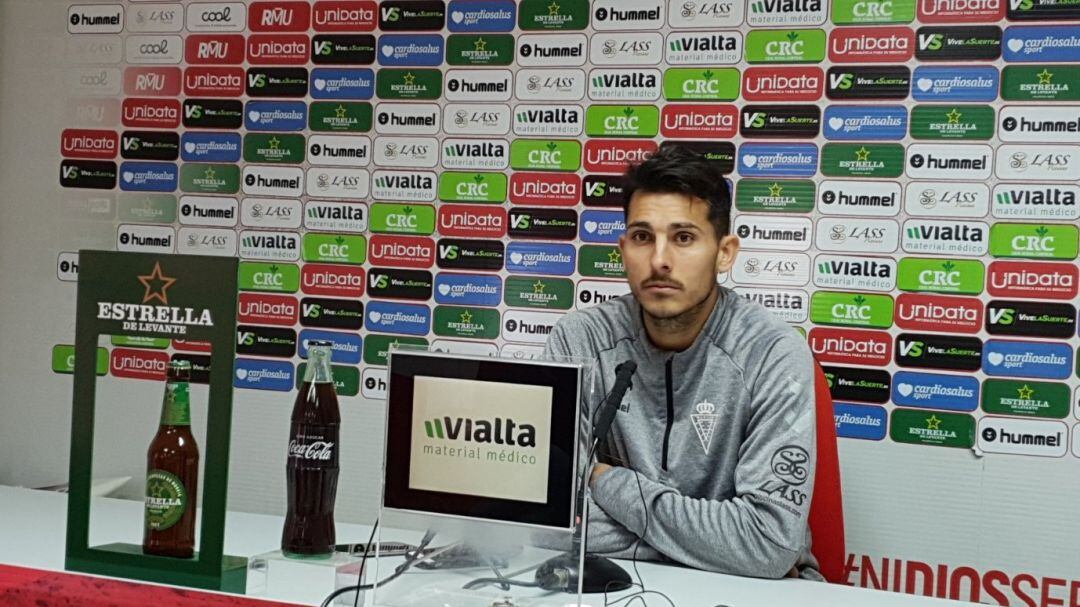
(179, 370)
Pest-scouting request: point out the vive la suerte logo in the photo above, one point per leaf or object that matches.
(161, 318)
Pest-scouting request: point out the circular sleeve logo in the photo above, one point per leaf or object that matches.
(166, 500)
(791, 464)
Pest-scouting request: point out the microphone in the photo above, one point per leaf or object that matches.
(606, 414)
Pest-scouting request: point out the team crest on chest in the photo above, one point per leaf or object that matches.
(704, 422)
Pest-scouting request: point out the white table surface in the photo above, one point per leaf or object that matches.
(33, 528)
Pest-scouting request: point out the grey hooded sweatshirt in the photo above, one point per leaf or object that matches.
(721, 437)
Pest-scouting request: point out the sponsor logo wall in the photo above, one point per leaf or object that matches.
(446, 173)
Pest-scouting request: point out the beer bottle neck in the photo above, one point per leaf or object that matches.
(318, 367)
(176, 406)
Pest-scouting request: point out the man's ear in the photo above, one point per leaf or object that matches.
(725, 257)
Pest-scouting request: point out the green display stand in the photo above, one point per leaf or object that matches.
(164, 296)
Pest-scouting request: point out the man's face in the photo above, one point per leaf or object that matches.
(670, 252)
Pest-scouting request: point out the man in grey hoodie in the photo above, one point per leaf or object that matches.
(710, 461)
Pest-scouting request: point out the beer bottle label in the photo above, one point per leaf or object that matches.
(176, 410)
(166, 500)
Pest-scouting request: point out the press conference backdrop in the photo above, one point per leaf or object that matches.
(446, 174)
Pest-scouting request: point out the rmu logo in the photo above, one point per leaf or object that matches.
(499, 431)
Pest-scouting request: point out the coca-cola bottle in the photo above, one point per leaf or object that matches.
(312, 468)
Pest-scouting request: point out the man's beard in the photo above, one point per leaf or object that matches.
(681, 320)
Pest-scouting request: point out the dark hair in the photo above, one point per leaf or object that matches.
(675, 169)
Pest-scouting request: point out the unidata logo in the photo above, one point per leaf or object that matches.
(267, 309)
(871, 45)
(1026, 280)
(850, 346)
(213, 81)
(935, 391)
(401, 251)
(614, 156)
(332, 280)
(468, 289)
(151, 113)
(411, 50)
(866, 422)
(938, 313)
(78, 143)
(472, 221)
(955, 83)
(855, 122)
(469, 16)
(528, 258)
(783, 84)
(275, 116)
(289, 49)
(1027, 359)
(148, 177)
(259, 374)
(335, 83)
(546, 189)
(777, 160)
(344, 16)
(1046, 44)
(961, 11)
(398, 318)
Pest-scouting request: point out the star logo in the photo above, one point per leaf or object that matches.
(156, 283)
(1045, 76)
(466, 317)
(1025, 392)
(340, 111)
(209, 173)
(933, 423)
(480, 45)
(775, 189)
(410, 78)
(538, 287)
(275, 143)
(553, 10)
(614, 256)
(862, 154)
(954, 116)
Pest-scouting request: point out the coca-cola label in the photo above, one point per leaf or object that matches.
(314, 445)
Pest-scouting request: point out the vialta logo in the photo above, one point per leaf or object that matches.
(501, 431)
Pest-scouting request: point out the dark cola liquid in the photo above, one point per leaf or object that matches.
(312, 471)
